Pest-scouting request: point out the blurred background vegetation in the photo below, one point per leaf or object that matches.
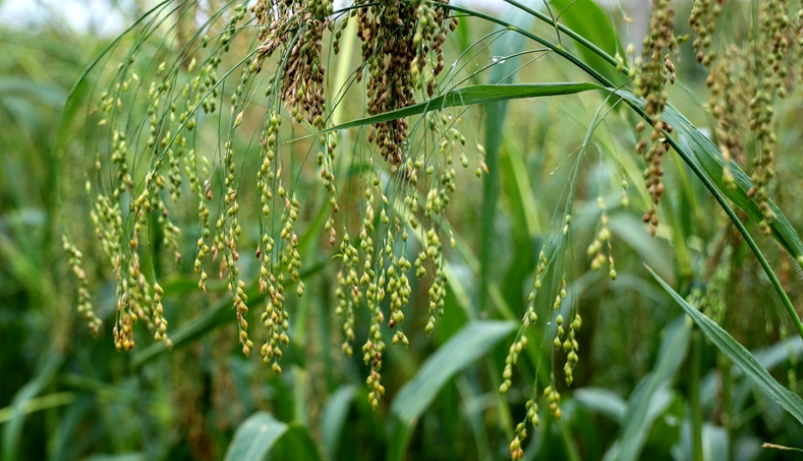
(65, 395)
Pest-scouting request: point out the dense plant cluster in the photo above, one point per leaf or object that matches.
(386, 221)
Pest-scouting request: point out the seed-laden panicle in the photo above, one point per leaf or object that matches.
(108, 222)
(772, 44)
(553, 398)
(559, 319)
(530, 317)
(397, 284)
(272, 278)
(702, 20)
(276, 262)
(516, 452)
(134, 300)
(228, 231)
(348, 293)
(437, 289)
(570, 348)
(711, 298)
(159, 322)
(326, 162)
(601, 242)
(299, 32)
(650, 82)
(84, 300)
(397, 52)
(275, 318)
(728, 107)
(512, 357)
(203, 215)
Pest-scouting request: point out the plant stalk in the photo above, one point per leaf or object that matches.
(694, 398)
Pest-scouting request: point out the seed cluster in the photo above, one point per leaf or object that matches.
(84, 300)
(299, 31)
(348, 293)
(773, 44)
(600, 242)
(655, 68)
(728, 107)
(571, 347)
(397, 52)
(702, 20)
(746, 84)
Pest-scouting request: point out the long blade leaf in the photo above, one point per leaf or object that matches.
(255, 437)
(740, 356)
(470, 95)
(463, 349)
(262, 434)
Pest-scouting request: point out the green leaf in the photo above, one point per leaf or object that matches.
(49, 95)
(588, 20)
(255, 437)
(296, 444)
(12, 431)
(602, 401)
(740, 356)
(474, 94)
(44, 402)
(471, 343)
(120, 457)
(262, 435)
(462, 350)
(334, 416)
(650, 395)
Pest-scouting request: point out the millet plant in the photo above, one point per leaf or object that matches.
(221, 137)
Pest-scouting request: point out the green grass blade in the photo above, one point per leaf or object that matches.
(463, 349)
(740, 356)
(588, 21)
(602, 401)
(255, 437)
(44, 402)
(495, 113)
(470, 95)
(636, 422)
(471, 343)
(518, 189)
(12, 431)
(296, 444)
(334, 416)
